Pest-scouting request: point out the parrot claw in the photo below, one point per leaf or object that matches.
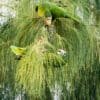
(18, 57)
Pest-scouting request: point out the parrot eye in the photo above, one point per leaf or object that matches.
(36, 8)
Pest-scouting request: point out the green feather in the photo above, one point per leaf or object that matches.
(48, 9)
(17, 50)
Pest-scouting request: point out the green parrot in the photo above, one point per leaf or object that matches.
(18, 51)
(52, 11)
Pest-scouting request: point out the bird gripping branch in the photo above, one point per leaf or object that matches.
(53, 11)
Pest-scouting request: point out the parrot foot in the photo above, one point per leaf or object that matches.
(18, 57)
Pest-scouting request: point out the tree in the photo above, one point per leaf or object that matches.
(42, 73)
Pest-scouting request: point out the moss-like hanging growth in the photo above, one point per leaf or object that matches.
(61, 60)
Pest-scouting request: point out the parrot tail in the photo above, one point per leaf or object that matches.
(76, 20)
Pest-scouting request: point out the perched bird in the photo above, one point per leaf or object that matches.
(52, 11)
(18, 51)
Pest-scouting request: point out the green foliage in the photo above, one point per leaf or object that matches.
(77, 74)
(7, 61)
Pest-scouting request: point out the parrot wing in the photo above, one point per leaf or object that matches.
(17, 50)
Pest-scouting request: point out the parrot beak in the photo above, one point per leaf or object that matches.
(48, 21)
